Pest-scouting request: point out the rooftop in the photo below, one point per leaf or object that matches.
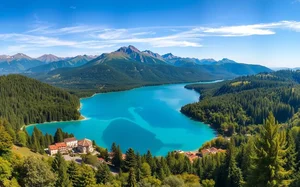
(85, 142)
(60, 144)
(52, 147)
(70, 139)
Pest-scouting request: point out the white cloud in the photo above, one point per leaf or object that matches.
(87, 37)
(108, 34)
(39, 41)
(246, 30)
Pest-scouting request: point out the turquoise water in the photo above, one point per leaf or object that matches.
(143, 118)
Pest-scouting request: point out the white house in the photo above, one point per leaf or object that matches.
(71, 142)
(85, 146)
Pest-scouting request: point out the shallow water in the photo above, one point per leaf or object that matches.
(143, 118)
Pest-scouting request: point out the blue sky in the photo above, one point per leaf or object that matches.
(249, 31)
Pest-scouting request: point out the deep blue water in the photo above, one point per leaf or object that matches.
(143, 118)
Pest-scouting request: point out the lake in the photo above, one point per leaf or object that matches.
(146, 118)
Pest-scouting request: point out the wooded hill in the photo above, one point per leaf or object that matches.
(24, 101)
(247, 100)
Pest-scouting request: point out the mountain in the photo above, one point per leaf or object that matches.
(128, 67)
(47, 58)
(17, 63)
(187, 62)
(155, 55)
(71, 62)
(179, 61)
(4, 58)
(226, 61)
(129, 53)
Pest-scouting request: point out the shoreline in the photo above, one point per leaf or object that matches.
(151, 85)
(82, 117)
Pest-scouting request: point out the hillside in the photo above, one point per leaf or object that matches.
(26, 101)
(247, 100)
(128, 67)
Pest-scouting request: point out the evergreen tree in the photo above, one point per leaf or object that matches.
(117, 156)
(103, 174)
(130, 160)
(59, 135)
(267, 165)
(246, 154)
(6, 141)
(74, 173)
(59, 166)
(234, 178)
(131, 182)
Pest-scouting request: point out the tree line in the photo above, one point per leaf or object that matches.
(268, 158)
(25, 101)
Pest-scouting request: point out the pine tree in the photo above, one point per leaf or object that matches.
(267, 165)
(103, 174)
(74, 173)
(247, 152)
(130, 160)
(291, 154)
(117, 156)
(6, 141)
(59, 135)
(59, 166)
(131, 182)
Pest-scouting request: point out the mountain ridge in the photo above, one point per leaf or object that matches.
(129, 67)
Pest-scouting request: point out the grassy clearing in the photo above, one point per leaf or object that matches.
(239, 83)
(25, 152)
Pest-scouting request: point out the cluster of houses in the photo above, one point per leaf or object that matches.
(211, 150)
(71, 144)
(192, 155)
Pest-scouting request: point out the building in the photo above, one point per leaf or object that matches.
(85, 146)
(192, 156)
(211, 150)
(71, 142)
(62, 147)
(52, 149)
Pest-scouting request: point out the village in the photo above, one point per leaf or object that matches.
(71, 146)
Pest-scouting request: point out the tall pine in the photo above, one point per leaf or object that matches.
(267, 168)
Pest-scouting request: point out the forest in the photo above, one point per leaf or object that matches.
(257, 118)
(25, 101)
(269, 157)
(246, 100)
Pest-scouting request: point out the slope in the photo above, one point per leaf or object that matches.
(25, 101)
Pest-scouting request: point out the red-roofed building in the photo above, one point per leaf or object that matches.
(52, 149)
(62, 147)
(211, 150)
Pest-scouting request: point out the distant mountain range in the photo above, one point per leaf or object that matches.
(69, 62)
(129, 67)
(21, 63)
(17, 63)
(124, 68)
